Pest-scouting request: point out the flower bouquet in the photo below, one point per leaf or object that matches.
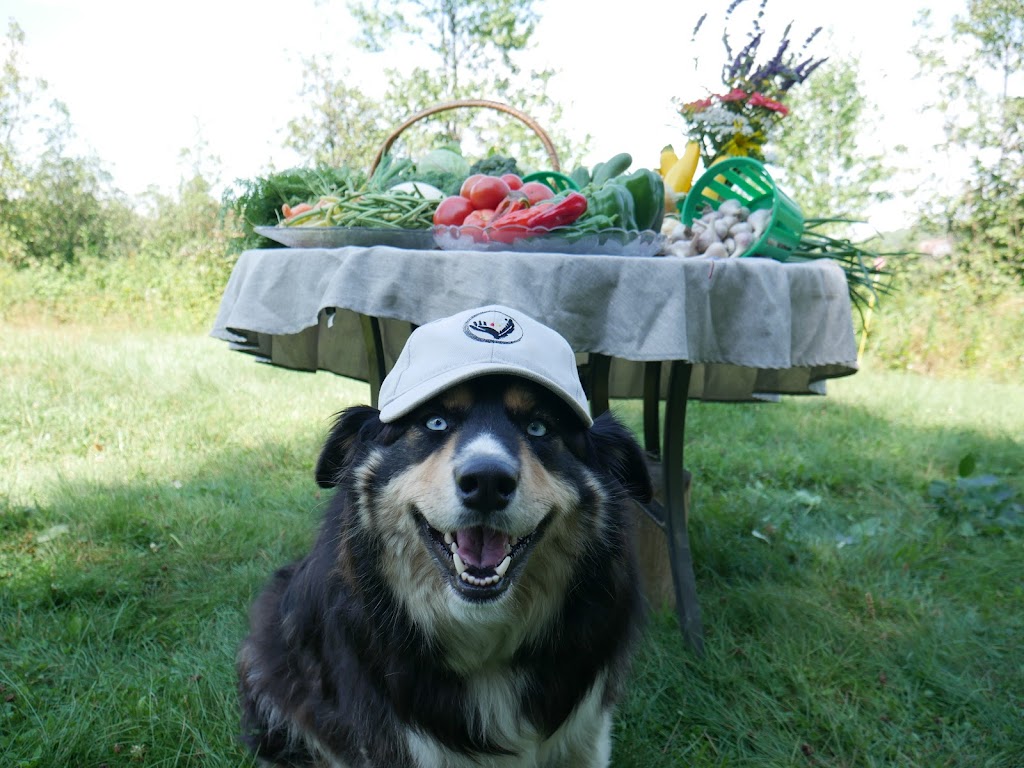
(740, 121)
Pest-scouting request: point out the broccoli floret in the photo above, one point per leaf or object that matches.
(496, 165)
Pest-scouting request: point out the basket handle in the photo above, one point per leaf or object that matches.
(448, 105)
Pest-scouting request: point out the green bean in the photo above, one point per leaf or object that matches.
(370, 209)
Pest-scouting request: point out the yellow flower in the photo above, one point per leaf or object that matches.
(743, 146)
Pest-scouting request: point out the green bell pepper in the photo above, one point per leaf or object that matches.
(614, 202)
(647, 190)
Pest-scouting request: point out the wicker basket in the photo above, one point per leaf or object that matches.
(532, 124)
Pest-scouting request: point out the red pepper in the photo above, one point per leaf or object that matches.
(537, 219)
(516, 201)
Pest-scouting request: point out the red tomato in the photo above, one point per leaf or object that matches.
(452, 210)
(479, 218)
(535, 191)
(488, 192)
(513, 181)
(467, 185)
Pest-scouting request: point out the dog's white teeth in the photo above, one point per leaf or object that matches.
(478, 582)
(453, 547)
(448, 538)
(513, 541)
(460, 567)
(503, 566)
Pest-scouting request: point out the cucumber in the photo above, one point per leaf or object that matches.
(580, 175)
(605, 172)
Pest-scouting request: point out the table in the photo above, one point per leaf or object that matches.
(663, 329)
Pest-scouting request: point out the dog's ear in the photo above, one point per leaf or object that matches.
(618, 452)
(361, 422)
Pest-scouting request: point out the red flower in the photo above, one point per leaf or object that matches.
(736, 94)
(697, 106)
(760, 100)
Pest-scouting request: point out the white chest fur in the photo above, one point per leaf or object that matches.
(583, 740)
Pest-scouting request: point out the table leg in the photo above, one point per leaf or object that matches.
(595, 381)
(374, 346)
(674, 479)
(652, 419)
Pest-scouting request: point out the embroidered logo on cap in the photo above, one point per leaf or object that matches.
(493, 327)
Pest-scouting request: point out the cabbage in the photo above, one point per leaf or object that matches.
(443, 161)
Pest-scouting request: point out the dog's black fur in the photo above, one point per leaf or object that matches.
(344, 668)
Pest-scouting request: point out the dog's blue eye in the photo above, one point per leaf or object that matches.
(437, 424)
(536, 428)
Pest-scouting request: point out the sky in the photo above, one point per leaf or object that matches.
(144, 81)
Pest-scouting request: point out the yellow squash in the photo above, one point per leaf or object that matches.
(668, 159)
(680, 176)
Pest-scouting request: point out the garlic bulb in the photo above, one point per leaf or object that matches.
(728, 231)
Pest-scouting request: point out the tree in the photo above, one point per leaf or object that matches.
(343, 126)
(467, 35)
(980, 66)
(471, 49)
(820, 146)
(54, 206)
(15, 100)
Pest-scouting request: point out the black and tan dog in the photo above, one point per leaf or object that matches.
(471, 599)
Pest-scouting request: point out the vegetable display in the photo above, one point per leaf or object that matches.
(503, 208)
(359, 208)
(397, 195)
(728, 231)
(542, 217)
(486, 201)
(259, 201)
(632, 202)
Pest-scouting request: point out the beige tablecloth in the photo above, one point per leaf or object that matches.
(752, 327)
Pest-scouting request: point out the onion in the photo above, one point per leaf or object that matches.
(427, 191)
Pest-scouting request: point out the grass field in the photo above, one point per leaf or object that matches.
(150, 481)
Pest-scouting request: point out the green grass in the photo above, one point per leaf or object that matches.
(151, 481)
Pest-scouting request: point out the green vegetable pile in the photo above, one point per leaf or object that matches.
(257, 202)
(496, 165)
(443, 168)
(866, 276)
(360, 208)
(342, 197)
(633, 202)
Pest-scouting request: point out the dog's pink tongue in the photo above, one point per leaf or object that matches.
(481, 547)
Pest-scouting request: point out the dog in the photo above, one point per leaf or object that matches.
(472, 596)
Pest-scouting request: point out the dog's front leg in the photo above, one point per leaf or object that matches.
(582, 741)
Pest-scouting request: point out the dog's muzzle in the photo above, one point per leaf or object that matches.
(481, 560)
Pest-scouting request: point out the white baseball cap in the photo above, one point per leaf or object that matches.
(476, 342)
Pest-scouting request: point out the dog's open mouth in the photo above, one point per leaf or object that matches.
(481, 562)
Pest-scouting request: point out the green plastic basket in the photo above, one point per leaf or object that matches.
(557, 182)
(747, 180)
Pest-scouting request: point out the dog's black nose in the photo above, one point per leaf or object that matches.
(486, 484)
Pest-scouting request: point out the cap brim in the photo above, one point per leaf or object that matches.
(430, 388)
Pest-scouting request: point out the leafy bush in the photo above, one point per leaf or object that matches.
(167, 268)
(142, 290)
(946, 318)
